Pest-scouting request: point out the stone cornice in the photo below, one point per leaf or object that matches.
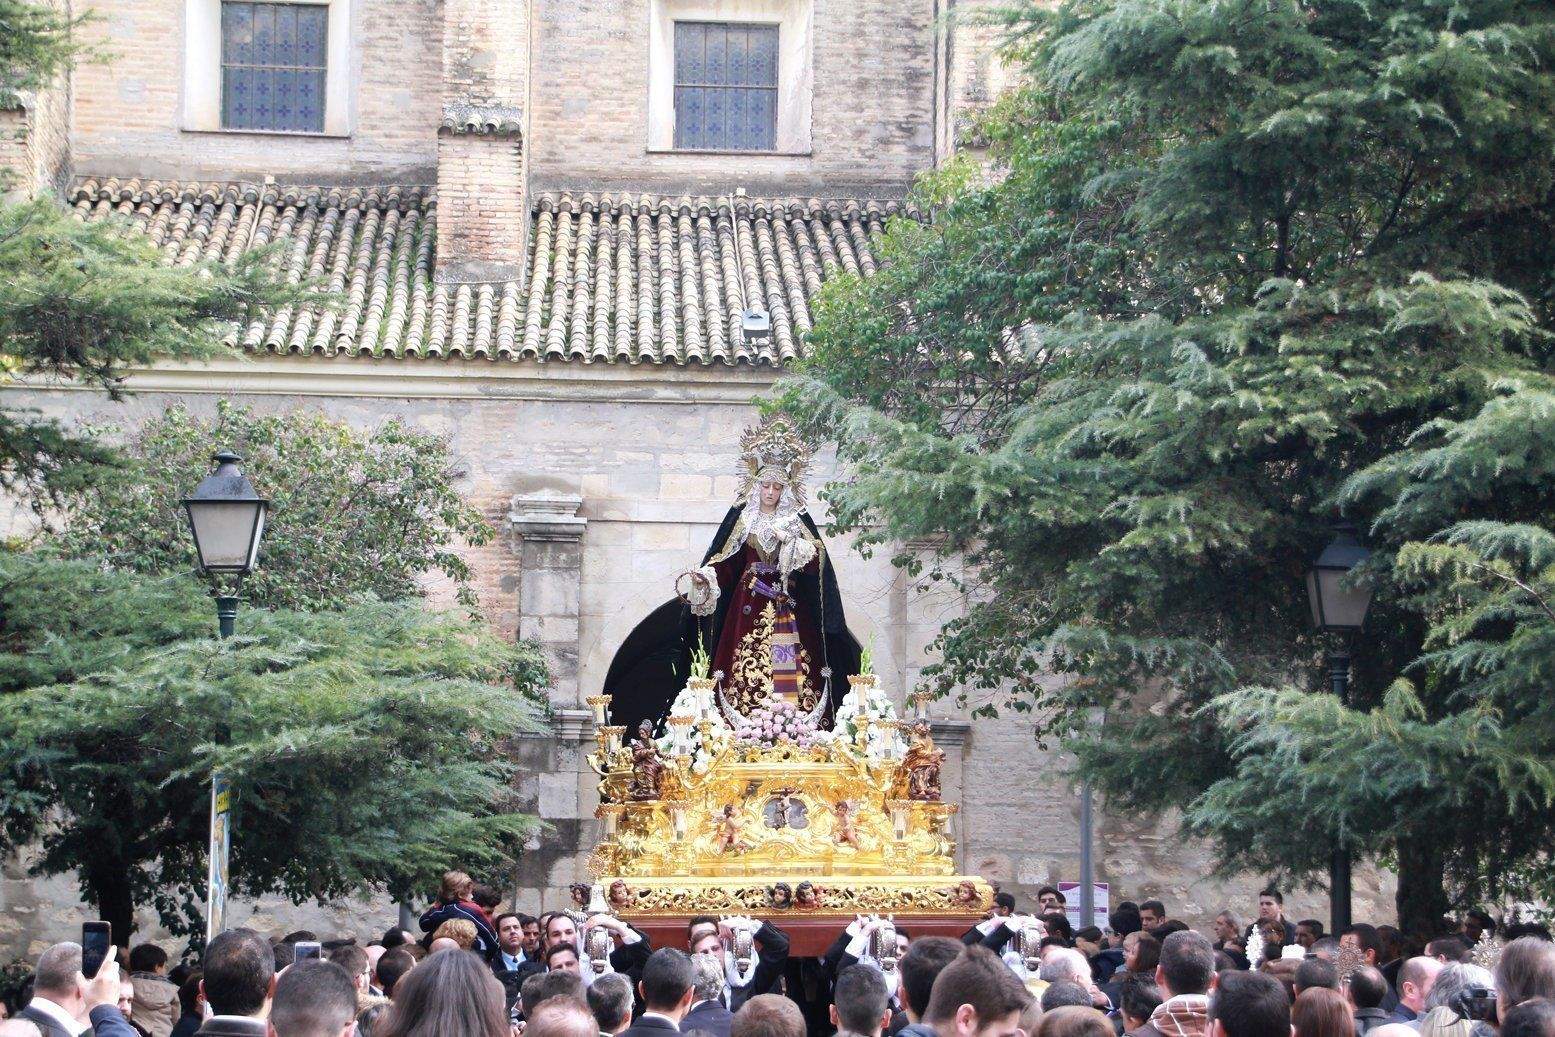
(373, 377)
(573, 725)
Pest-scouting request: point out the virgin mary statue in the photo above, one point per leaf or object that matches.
(764, 602)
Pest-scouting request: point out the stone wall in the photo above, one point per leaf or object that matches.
(607, 482)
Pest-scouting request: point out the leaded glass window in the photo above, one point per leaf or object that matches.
(726, 77)
(273, 66)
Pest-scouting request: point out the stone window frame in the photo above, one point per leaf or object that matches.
(202, 77)
(796, 67)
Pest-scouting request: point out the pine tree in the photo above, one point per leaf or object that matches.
(1240, 268)
(368, 747)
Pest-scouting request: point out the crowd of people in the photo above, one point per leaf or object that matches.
(476, 972)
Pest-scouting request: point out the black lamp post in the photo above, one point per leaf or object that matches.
(226, 520)
(1339, 608)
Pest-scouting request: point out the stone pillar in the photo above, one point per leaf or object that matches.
(547, 535)
(482, 205)
(545, 531)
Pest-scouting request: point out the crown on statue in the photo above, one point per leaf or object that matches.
(773, 450)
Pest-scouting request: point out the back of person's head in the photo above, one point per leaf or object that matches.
(391, 968)
(456, 885)
(1073, 1021)
(564, 1016)
(1250, 1004)
(976, 986)
(394, 937)
(1168, 927)
(610, 999)
(1064, 993)
(460, 930)
(1526, 970)
(314, 999)
(1315, 972)
(1187, 963)
(1005, 901)
(236, 972)
(450, 993)
(1123, 921)
(1533, 1018)
(1321, 1012)
(370, 1020)
(1138, 998)
(1325, 947)
(488, 898)
(1450, 949)
(147, 957)
(351, 958)
(1453, 980)
(926, 957)
(667, 977)
(55, 976)
(1284, 970)
(861, 1000)
(543, 986)
(1147, 954)
(1367, 987)
(709, 976)
(768, 1015)
(189, 995)
(1521, 929)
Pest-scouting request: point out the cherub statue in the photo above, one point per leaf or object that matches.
(621, 896)
(780, 896)
(966, 894)
(580, 893)
(729, 826)
(847, 831)
(647, 765)
(806, 896)
(917, 777)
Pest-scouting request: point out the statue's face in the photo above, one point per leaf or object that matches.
(771, 493)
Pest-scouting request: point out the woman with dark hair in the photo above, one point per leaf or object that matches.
(1321, 1012)
(452, 992)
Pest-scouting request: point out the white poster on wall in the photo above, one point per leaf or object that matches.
(1071, 892)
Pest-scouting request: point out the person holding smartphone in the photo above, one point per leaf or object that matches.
(66, 1003)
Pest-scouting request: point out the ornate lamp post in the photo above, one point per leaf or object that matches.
(226, 520)
(1339, 607)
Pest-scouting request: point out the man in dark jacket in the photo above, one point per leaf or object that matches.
(237, 977)
(1367, 988)
(667, 987)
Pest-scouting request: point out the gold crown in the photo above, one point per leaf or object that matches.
(773, 450)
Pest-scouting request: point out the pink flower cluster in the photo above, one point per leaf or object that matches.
(774, 721)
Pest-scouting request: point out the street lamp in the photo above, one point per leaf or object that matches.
(1339, 606)
(226, 520)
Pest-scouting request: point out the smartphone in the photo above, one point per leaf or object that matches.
(96, 938)
(307, 950)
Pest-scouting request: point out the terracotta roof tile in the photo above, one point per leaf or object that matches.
(610, 279)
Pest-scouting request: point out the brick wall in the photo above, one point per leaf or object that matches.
(872, 104)
(481, 207)
(129, 115)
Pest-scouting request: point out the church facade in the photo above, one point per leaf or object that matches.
(578, 237)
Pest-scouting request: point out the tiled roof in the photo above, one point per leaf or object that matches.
(633, 279)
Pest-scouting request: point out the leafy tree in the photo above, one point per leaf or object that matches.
(353, 512)
(1240, 267)
(367, 746)
(86, 301)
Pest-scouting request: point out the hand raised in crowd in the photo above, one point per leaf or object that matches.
(610, 922)
(103, 988)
